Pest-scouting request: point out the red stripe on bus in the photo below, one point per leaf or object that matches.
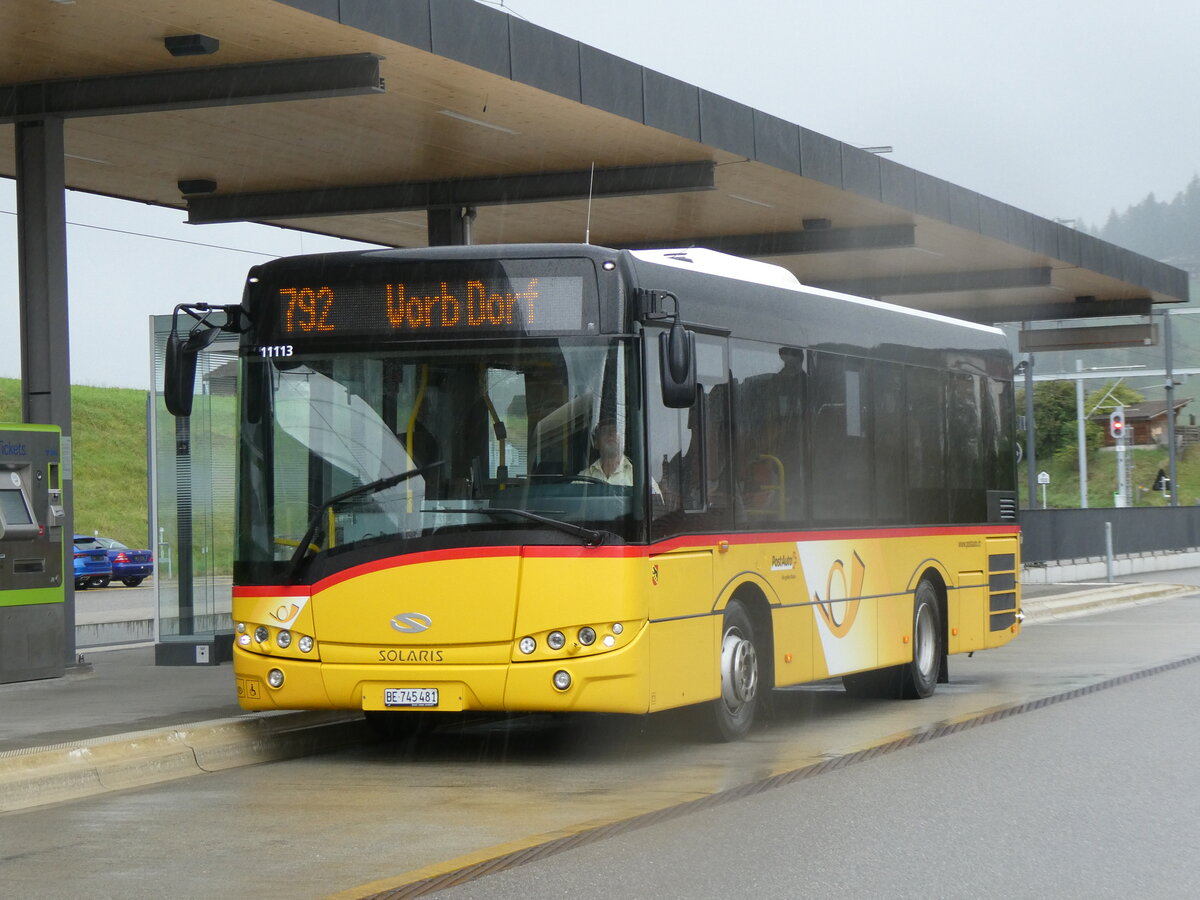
(698, 542)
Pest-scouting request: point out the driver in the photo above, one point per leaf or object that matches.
(613, 466)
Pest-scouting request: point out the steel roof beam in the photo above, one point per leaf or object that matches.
(623, 181)
(193, 88)
(789, 243)
(1042, 312)
(941, 282)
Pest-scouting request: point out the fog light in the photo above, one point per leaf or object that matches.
(275, 678)
(562, 679)
(618, 628)
(587, 636)
(305, 644)
(556, 640)
(244, 640)
(261, 634)
(284, 639)
(527, 645)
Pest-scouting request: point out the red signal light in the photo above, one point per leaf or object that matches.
(1116, 423)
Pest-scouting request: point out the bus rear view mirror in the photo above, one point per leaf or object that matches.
(179, 378)
(677, 363)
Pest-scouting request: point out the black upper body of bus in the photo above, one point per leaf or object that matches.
(397, 402)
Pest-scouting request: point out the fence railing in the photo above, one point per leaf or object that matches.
(1058, 534)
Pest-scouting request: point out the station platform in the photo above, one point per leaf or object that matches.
(118, 721)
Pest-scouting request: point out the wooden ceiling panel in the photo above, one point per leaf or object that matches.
(405, 135)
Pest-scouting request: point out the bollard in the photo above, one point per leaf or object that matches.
(1108, 553)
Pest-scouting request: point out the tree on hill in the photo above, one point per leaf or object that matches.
(1158, 229)
(1055, 416)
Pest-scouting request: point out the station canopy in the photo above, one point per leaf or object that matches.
(382, 120)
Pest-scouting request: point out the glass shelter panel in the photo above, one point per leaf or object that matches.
(194, 488)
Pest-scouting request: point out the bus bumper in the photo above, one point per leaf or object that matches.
(617, 681)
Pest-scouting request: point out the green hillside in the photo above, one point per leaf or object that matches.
(109, 458)
(1063, 490)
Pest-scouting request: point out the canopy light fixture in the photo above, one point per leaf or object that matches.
(189, 186)
(191, 45)
(473, 121)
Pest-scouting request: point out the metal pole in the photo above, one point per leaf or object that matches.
(1122, 481)
(1108, 551)
(1083, 475)
(1030, 456)
(1170, 407)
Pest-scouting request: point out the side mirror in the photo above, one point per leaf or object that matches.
(179, 379)
(677, 365)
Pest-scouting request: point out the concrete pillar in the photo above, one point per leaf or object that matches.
(45, 337)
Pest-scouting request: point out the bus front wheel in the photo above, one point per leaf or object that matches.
(733, 711)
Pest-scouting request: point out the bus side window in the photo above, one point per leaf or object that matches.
(768, 411)
(926, 446)
(689, 448)
(841, 443)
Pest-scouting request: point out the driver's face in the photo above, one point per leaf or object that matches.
(608, 441)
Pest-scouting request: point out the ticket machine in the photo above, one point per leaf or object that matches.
(32, 558)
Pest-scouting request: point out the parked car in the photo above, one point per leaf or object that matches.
(130, 567)
(92, 568)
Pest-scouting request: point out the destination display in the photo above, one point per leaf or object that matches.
(430, 307)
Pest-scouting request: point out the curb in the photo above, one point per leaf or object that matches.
(73, 771)
(1081, 603)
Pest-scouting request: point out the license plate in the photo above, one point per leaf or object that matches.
(410, 697)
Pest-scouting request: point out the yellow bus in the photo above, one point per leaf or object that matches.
(567, 478)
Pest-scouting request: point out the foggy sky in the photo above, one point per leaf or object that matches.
(1065, 108)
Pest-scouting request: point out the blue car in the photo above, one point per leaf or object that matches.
(129, 566)
(92, 568)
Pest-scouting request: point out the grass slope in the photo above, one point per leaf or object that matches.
(109, 458)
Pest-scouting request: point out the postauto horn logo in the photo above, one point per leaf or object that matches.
(411, 622)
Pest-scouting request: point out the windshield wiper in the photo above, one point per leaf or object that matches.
(371, 487)
(591, 537)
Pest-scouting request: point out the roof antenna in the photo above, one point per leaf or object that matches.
(587, 228)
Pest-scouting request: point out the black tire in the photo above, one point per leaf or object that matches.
(918, 679)
(913, 680)
(131, 582)
(734, 711)
(81, 584)
(101, 581)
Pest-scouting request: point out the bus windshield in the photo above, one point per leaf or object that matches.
(538, 435)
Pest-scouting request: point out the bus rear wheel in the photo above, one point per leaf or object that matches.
(733, 712)
(918, 679)
(913, 680)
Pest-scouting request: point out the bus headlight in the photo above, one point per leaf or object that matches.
(527, 645)
(261, 634)
(556, 640)
(587, 635)
(305, 644)
(562, 679)
(275, 678)
(284, 639)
